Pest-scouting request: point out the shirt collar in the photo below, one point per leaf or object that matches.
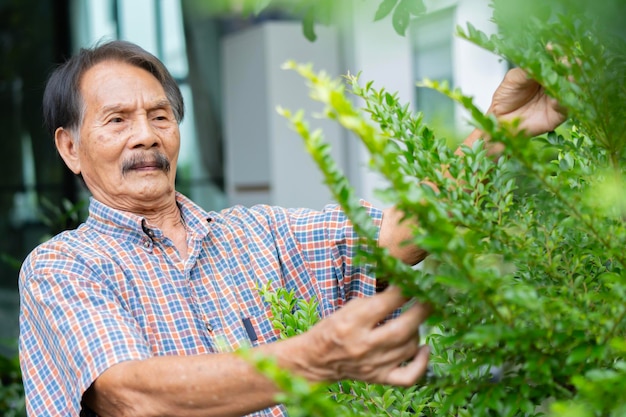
(113, 222)
(195, 217)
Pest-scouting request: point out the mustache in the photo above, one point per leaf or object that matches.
(154, 159)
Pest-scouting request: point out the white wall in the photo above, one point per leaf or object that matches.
(266, 161)
(476, 71)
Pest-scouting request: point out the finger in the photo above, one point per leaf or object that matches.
(378, 307)
(408, 375)
(390, 357)
(518, 76)
(404, 327)
(378, 363)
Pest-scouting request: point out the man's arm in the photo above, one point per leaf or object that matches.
(517, 96)
(350, 344)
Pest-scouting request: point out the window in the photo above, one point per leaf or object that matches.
(432, 37)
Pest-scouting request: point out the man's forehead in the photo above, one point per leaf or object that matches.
(114, 85)
(117, 72)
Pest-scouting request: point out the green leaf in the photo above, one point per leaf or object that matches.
(400, 20)
(384, 9)
(578, 355)
(457, 282)
(308, 25)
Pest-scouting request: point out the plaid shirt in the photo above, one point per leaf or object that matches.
(115, 289)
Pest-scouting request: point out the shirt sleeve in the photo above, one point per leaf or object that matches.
(73, 328)
(317, 250)
(330, 243)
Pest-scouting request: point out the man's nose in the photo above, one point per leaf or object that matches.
(143, 134)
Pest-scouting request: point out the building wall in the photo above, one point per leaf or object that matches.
(266, 160)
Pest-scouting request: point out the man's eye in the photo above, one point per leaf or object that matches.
(161, 118)
(116, 120)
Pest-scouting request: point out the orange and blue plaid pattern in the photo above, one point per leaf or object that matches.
(115, 289)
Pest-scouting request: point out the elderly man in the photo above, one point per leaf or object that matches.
(126, 315)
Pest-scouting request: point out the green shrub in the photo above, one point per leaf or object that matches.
(11, 390)
(526, 265)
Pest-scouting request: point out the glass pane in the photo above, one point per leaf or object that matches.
(432, 38)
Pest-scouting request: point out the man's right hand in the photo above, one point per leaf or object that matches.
(353, 344)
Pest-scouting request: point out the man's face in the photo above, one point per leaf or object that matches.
(129, 137)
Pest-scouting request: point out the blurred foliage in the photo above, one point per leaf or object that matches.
(67, 216)
(311, 12)
(526, 264)
(55, 218)
(11, 390)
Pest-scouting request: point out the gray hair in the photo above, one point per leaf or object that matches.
(63, 104)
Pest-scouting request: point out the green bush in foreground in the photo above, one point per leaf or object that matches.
(526, 266)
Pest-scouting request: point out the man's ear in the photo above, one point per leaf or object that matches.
(67, 145)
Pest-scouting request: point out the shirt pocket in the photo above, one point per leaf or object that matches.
(260, 327)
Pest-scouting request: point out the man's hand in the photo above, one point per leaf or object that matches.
(519, 96)
(352, 344)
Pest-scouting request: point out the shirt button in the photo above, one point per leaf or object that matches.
(146, 244)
